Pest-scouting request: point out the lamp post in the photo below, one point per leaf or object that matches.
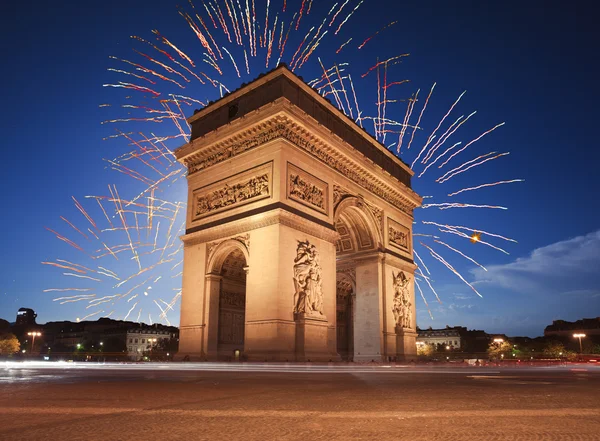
(151, 341)
(579, 336)
(33, 335)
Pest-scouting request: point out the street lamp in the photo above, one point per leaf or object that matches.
(498, 340)
(33, 334)
(579, 336)
(151, 341)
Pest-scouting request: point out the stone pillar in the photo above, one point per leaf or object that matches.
(211, 336)
(368, 313)
(192, 329)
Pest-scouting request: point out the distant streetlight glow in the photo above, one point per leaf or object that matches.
(580, 336)
(498, 340)
(33, 334)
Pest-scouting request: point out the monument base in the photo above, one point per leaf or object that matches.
(406, 344)
(311, 338)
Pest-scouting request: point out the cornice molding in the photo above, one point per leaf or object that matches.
(282, 125)
(277, 216)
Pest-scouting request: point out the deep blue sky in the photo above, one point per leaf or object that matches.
(531, 64)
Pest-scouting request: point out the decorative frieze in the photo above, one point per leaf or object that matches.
(284, 128)
(307, 189)
(402, 306)
(308, 296)
(249, 186)
(399, 236)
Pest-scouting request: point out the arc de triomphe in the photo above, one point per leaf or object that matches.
(298, 241)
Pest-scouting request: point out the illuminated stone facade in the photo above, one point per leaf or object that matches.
(298, 243)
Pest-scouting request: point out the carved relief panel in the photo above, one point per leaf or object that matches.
(399, 236)
(237, 190)
(306, 189)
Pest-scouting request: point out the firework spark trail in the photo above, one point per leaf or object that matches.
(167, 68)
(119, 210)
(335, 94)
(64, 239)
(348, 17)
(175, 48)
(82, 277)
(432, 136)
(292, 62)
(376, 33)
(440, 156)
(338, 12)
(163, 314)
(130, 311)
(450, 267)
(460, 227)
(459, 170)
(431, 287)
(389, 61)
(448, 205)
(343, 45)
(73, 299)
(74, 227)
(358, 113)
(461, 253)
(466, 236)
(300, 13)
(447, 134)
(132, 87)
(423, 297)
(409, 110)
(421, 260)
(473, 141)
(140, 77)
(285, 40)
(493, 184)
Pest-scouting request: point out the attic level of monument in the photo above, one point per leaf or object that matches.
(281, 83)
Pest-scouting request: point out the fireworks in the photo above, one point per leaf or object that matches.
(130, 235)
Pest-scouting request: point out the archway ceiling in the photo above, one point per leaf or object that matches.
(233, 266)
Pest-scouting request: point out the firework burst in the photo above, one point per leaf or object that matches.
(129, 237)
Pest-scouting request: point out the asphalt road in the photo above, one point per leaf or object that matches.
(296, 402)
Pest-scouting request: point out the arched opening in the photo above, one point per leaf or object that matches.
(358, 236)
(231, 264)
(345, 288)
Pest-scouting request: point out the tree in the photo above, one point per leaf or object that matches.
(425, 350)
(501, 349)
(556, 349)
(9, 344)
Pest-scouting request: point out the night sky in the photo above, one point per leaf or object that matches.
(530, 64)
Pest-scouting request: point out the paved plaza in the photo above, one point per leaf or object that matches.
(210, 401)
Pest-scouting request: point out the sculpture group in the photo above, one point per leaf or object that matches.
(308, 298)
(402, 305)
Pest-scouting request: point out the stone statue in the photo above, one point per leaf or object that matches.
(308, 298)
(402, 307)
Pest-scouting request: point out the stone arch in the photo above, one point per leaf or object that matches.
(359, 229)
(226, 282)
(221, 251)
